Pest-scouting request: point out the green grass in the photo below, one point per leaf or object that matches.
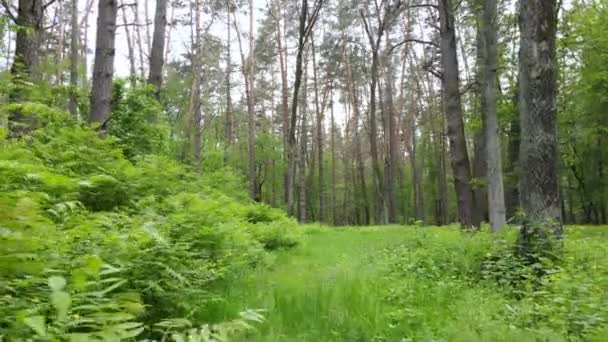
(407, 284)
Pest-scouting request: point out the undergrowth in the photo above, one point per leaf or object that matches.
(425, 284)
(112, 239)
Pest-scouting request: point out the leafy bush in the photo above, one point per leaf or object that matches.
(276, 235)
(94, 246)
(447, 271)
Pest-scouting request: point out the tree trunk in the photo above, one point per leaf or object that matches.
(333, 159)
(360, 166)
(453, 109)
(390, 134)
(132, 72)
(168, 38)
(302, 190)
(320, 133)
(480, 162)
(30, 16)
(157, 54)
(251, 111)
(138, 39)
(539, 190)
(496, 194)
(103, 66)
(228, 131)
(195, 94)
(147, 24)
(291, 148)
(284, 106)
(74, 38)
(480, 172)
(373, 140)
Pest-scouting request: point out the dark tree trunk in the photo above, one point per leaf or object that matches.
(453, 108)
(29, 20)
(512, 169)
(539, 190)
(157, 54)
(302, 189)
(103, 66)
(30, 14)
(74, 39)
(291, 146)
(373, 141)
(391, 157)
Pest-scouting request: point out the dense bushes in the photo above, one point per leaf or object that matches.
(94, 246)
(444, 271)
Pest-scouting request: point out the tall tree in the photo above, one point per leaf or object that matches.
(25, 68)
(103, 66)
(29, 20)
(195, 94)
(496, 194)
(306, 24)
(251, 111)
(228, 128)
(157, 60)
(539, 190)
(459, 156)
(74, 40)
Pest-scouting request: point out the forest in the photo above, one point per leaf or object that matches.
(303, 170)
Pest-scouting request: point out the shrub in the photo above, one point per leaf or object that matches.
(94, 246)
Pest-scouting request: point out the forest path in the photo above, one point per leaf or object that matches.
(329, 288)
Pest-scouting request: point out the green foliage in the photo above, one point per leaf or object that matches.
(425, 284)
(94, 246)
(136, 121)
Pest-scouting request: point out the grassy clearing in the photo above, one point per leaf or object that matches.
(418, 284)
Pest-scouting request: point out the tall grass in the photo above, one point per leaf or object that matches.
(418, 284)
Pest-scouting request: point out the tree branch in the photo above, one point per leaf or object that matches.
(45, 6)
(411, 40)
(8, 10)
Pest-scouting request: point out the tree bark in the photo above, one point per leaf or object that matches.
(302, 189)
(251, 111)
(453, 108)
(29, 20)
(30, 14)
(132, 72)
(74, 38)
(333, 159)
(291, 148)
(228, 131)
(539, 189)
(284, 106)
(138, 39)
(195, 94)
(103, 66)
(360, 166)
(157, 54)
(390, 134)
(320, 133)
(496, 194)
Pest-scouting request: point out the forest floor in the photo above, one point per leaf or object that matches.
(341, 285)
(327, 289)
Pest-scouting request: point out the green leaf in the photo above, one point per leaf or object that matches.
(37, 323)
(57, 283)
(61, 301)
